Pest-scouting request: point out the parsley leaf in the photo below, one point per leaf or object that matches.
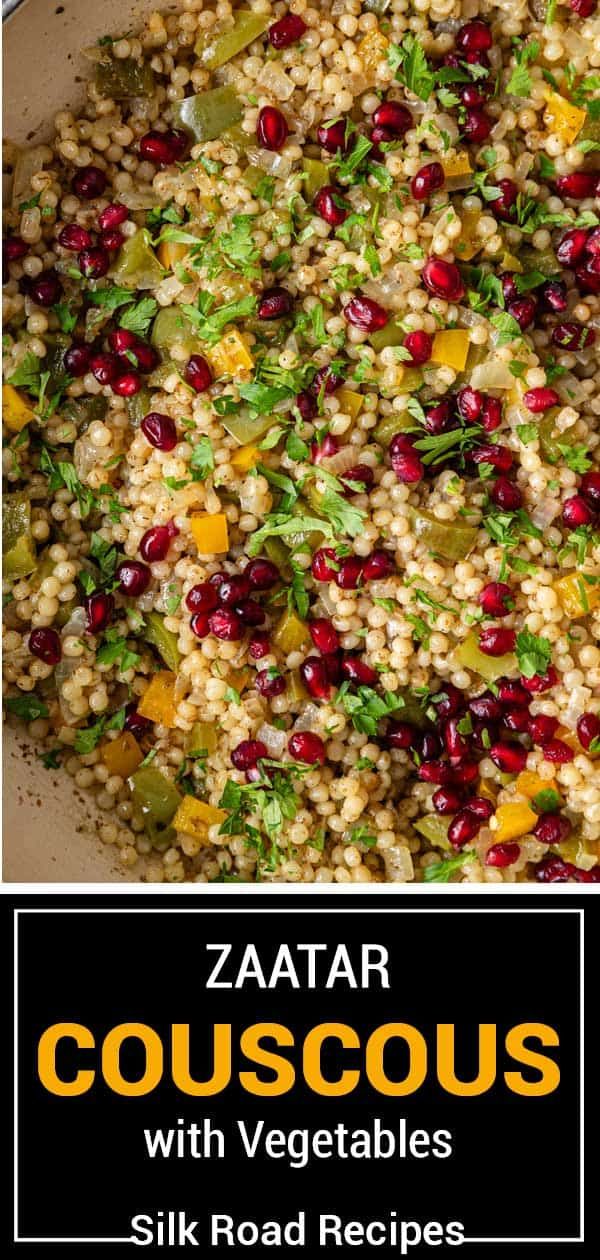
(534, 654)
(137, 318)
(29, 707)
(88, 737)
(366, 708)
(209, 324)
(411, 66)
(440, 872)
(202, 461)
(576, 457)
(519, 83)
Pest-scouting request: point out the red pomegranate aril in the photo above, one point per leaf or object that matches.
(324, 635)
(98, 611)
(246, 755)
(288, 30)
(406, 463)
(451, 701)
(306, 746)
(159, 430)
(571, 336)
(75, 238)
(505, 494)
(377, 566)
(314, 675)
(274, 303)
(328, 380)
(262, 574)
(572, 247)
(394, 116)
(537, 400)
(112, 216)
(504, 206)
(509, 757)
(480, 807)
(500, 457)
(470, 403)
(419, 345)
(588, 729)
(542, 727)
(466, 773)
(587, 275)
(553, 870)
(593, 243)
(199, 625)
(428, 746)
(464, 827)
(358, 671)
(215, 579)
(128, 385)
(496, 599)
(271, 129)
(516, 720)
(379, 136)
(455, 743)
(578, 185)
(163, 147)
(325, 565)
(476, 127)
(46, 645)
(135, 723)
(362, 312)
(438, 772)
(590, 489)
(471, 95)
(259, 645)
(112, 239)
(121, 339)
(583, 8)
(497, 640)
(202, 598)
(225, 624)
(491, 414)
(133, 577)
(250, 612)
(147, 357)
(307, 405)
(89, 182)
(358, 479)
(557, 752)
(553, 296)
(155, 543)
(511, 691)
(233, 589)
(350, 573)
(551, 829)
(446, 800)
(576, 512)
(538, 683)
(333, 665)
(503, 854)
(77, 360)
(332, 136)
(401, 735)
(485, 707)
(443, 279)
(427, 180)
(45, 290)
(509, 286)
(93, 263)
(474, 36)
(523, 311)
(104, 367)
(14, 248)
(197, 373)
(437, 418)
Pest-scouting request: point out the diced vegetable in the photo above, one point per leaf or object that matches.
(82, 411)
(317, 175)
(122, 755)
(562, 118)
(154, 794)
(138, 406)
(208, 114)
(488, 790)
(550, 439)
(291, 633)
(278, 552)
(469, 242)
(120, 80)
(171, 328)
(434, 828)
(169, 253)
(372, 51)
(201, 738)
(222, 43)
(396, 422)
(513, 820)
(163, 640)
(137, 266)
(543, 260)
(210, 533)
(247, 429)
(453, 542)
(246, 457)
(18, 549)
(577, 596)
(16, 413)
(469, 656)
(529, 783)
(509, 262)
(391, 335)
(239, 679)
(412, 710)
(350, 401)
(195, 817)
(451, 348)
(295, 690)
(230, 356)
(158, 701)
(456, 164)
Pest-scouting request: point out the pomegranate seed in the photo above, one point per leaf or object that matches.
(538, 683)
(480, 807)
(578, 185)
(401, 735)
(14, 248)
(537, 400)
(438, 772)
(332, 136)
(112, 239)
(155, 543)
(159, 430)
(474, 36)
(516, 720)
(443, 279)
(419, 345)
(523, 310)
(451, 701)
(250, 612)
(552, 870)
(472, 96)
(557, 752)
(571, 336)
(262, 574)
(225, 624)
(593, 243)
(75, 238)
(45, 290)
(497, 641)
(306, 746)
(232, 590)
(542, 727)
(395, 117)
(46, 645)
(437, 418)
(427, 180)
(360, 475)
(551, 829)
(307, 405)
(572, 247)
(198, 374)
(275, 303)
(202, 598)
(590, 489)
(314, 675)
(576, 512)
(104, 368)
(93, 263)
(377, 566)
(491, 414)
(121, 340)
(509, 286)
(476, 127)
(470, 403)
(324, 635)
(500, 457)
(112, 216)
(510, 692)
(464, 827)
(215, 579)
(349, 573)
(259, 645)
(324, 567)
(406, 463)
(288, 30)
(588, 729)
(135, 723)
(466, 773)
(358, 671)
(553, 296)
(77, 360)
(486, 707)
(456, 746)
(146, 356)
(98, 611)
(503, 854)
(246, 755)
(199, 625)
(505, 494)
(133, 577)
(333, 664)
(588, 275)
(328, 380)
(504, 206)
(379, 136)
(89, 182)
(271, 130)
(364, 313)
(163, 147)
(446, 800)
(496, 599)
(583, 8)
(509, 757)
(428, 746)
(128, 385)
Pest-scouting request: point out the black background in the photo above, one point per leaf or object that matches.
(515, 1169)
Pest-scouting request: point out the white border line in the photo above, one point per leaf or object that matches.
(298, 910)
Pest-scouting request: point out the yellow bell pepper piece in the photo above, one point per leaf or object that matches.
(230, 356)
(563, 118)
(195, 817)
(469, 242)
(528, 783)
(372, 49)
(350, 402)
(509, 262)
(291, 633)
(487, 790)
(122, 755)
(513, 820)
(16, 413)
(578, 597)
(210, 533)
(158, 701)
(456, 164)
(245, 457)
(451, 348)
(170, 252)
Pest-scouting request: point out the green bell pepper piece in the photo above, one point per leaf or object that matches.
(246, 429)
(453, 542)
(18, 549)
(317, 175)
(208, 114)
(120, 80)
(154, 795)
(201, 738)
(549, 440)
(469, 656)
(163, 640)
(221, 44)
(137, 267)
(82, 411)
(434, 828)
(397, 422)
(171, 328)
(139, 406)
